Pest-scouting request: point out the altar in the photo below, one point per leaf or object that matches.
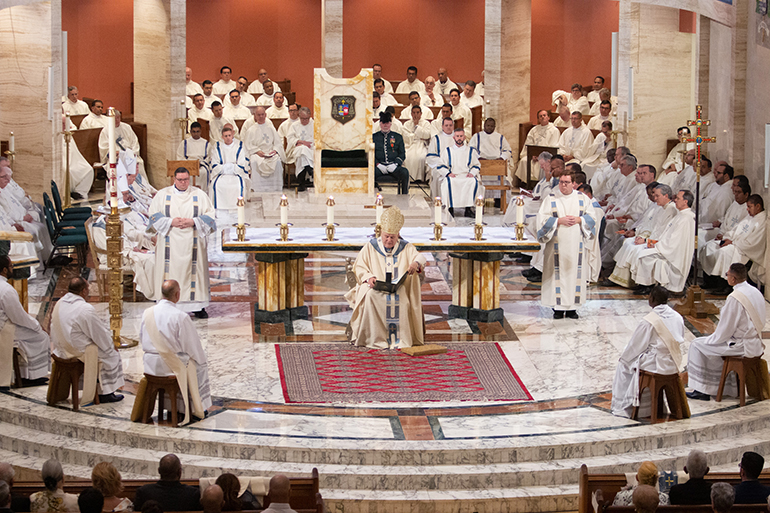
(280, 265)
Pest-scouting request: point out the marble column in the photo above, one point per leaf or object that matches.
(159, 80)
(30, 59)
(507, 53)
(331, 37)
(721, 86)
(650, 41)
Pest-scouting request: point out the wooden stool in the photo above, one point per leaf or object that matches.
(65, 379)
(741, 366)
(16, 369)
(657, 383)
(158, 386)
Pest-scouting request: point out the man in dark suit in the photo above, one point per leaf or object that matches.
(169, 492)
(19, 503)
(389, 154)
(750, 490)
(696, 490)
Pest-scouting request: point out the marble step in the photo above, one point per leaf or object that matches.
(31, 465)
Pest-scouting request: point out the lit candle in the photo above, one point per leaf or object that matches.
(241, 211)
(284, 210)
(479, 209)
(330, 211)
(437, 210)
(12, 143)
(113, 158)
(182, 110)
(378, 208)
(520, 211)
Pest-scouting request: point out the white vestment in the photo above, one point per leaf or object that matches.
(438, 143)
(597, 158)
(81, 172)
(237, 112)
(576, 142)
(274, 112)
(247, 100)
(94, 121)
(685, 180)
(561, 122)
(715, 203)
(436, 101)
(564, 271)
(125, 139)
(284, 128)
(748, 243)
(579, 105)
(222, 154)
(538, 135)
(196, 149)
(602, 179)
(265, 100)
(738, 333)
(676, 156)
(416, 139)
(208, 100)
(179, 332)
(191, 88)
(29, 337)
(228, 185)
(595, 123)
(78, 108)
(668, 262)
(492, 147)
(300, 155)
(194, 114)
(460, 190)
(81, 327)
(531, 206)
(256, 87)
(473, 101)
(267, 171)
(222, 87)
(181, 253)
(217, 124)
(18, 250)
(387, 99)
(632, 204)
(406, 87)
(593, 252)
(648, 350)
(444, 88)
(16, 211)
(406, 113)
(461, 111)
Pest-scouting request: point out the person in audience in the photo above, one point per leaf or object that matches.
(225, 84)
(460, 168)
(687, 177)
(696, 490)
(268, 91)
(412, 83)
(28, 219)
(746, 242)
(647, 475)
(278, 110)
(718, 196)
(95, 119)
(72, 105)
(605, 109)
(234, 501)
(470, 98)
(389, 154)
(646, 499)
(738, 333)
(53, 499)
(414, 101)
(654, 347)
(19, 503)
(617, 180)
(151, 507)
(91, 500)
(444, 84)
(750, 490)
(416, 134)
(29, 337)
(196, 147)
(301, 148)
(75, 327)
(125, 139)
(212, 499)
(106, 479)
(208, 94)
(575, 142)
(5, 497)
(431, 96)
(377, 75)
(544, 133)
(169, 492)
(460, 111)
(491, 145)
(578, 102)
(235, 110)
(257, 87)
(285, 127)
(191, 87)
(218, 122)
(229, 172)
(280, 492)
(564, 119)
(722, 497)
(593, 95)
(386, 99)
(597, 158)
(199, 110)
(264, 150)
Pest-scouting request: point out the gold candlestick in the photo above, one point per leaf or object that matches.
(330, 231)
(377, 230)
(438, 231)
(67, 186)
(284, 232)
(11, 156)
(519, 204)
(478, 231)
(519, 232)
(182, 120)
(240, 232)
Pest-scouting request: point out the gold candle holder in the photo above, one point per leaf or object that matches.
(240, 232)
(478, 231)
(330, 231)
(11, 156)
(284, 232)
(519, 232)
(377, 230)
(438, 231)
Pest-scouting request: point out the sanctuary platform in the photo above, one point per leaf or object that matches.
(396, 452)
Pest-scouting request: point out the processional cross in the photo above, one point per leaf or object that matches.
(694, 304)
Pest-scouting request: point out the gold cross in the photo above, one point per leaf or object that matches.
(698, 122)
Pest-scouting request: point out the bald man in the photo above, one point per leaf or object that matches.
(257, 87)
(191, 88)
(280, 491)
(169, 492)
(212, 499)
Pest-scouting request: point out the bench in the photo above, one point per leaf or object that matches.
(305, 497)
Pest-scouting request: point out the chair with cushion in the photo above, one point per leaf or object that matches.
(62, 240)
(73, 212)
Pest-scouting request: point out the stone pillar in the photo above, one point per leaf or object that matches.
(159, 81)
(331, 37)
(507, 53)
(30, 49)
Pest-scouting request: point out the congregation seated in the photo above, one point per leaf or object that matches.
(750, 490)
(107, 480)
(280, 492)
(17, 503)
(647, 475)
(544, 133)
(212, 499)
(169, 492)
(696, 490)
(412, 83)
(53, 499)
(722, 497)
(91, 500)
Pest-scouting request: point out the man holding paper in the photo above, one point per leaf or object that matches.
(381, 319)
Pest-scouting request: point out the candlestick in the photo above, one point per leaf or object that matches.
(284, 210)
(378, 208)
(479, 210)
(241, 211)
(519, 210)
(12, 144)
(330, 211)
(437, 210)
(63, 122)
(113, 159)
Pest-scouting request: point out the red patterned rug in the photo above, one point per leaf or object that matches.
(327, 373)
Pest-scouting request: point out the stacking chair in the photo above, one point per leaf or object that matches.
(72, 212)
(77, 224)
(65, 238)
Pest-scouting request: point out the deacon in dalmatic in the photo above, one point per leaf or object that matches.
(461, 167)
(383, 320)
(183, 217)
(565, 225)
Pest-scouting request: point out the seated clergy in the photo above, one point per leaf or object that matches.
(444, 85)
(578, 102)
(431, 96)
(208, 94)
(389, 154)
(247, 100)
(412, 83)
(605, 114)
(436, 126)
(19, 329)
(386, 99)
(544, 133)
(416, 134)
(738, 333)
(266, 99)
(26, 219)
(191, 87)
(414, 100)
(491, 145)
(675, 158)
(225, 84)
(301, 148)
(199, 110)
(718, 196)
(461, 175)
(460, 111)
(235, 110)
(384, 320)
(77, 331)
(218, 122)
(257, 86)
(125, 139)
(72, 105)
(95, 119)
(746, 242)
(229, 151)
(575, 142)
(172, 347)
(265, 153)
(196, 147)
(470, 98)
(278, 110)
(285, 126)
(667, 261)
(654, 347)
(438, 143)
(532, 199)
(687, 177)
(597, 155)
(593, 94)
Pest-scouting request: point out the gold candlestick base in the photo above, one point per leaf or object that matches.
(519, 232)
(240, 232)
(330, 229)
(377, 230)
(127, 343)
(438, 231)
(284, 232)
(478, 231)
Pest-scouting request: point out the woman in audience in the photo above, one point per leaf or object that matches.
(106, 478)
(231, 488)
(646, 475)
(53, 499)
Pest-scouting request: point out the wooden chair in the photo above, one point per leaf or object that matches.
(239, 123)
(402, 98)
(498, 168)
(436, 111)
(157, 386)
(65, 379)
(743, 367)
(277, 122)
(284, 84)
(193, 166)
(657, 384)
(476, 119)
(205, 129)
(88, 143)
(16, 369)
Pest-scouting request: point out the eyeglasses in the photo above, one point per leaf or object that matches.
(182, 179)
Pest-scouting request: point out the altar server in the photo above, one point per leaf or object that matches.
(461, 175)
(738, 333)
(301, 148)
(544, 133)
(183, 217)
(196, 147)
(77, 331)
(416, 133)
(172, 347)
(564, 227)
(654, 347)
(436, 148)
(265, 153)
(125, 139)
(383, 320)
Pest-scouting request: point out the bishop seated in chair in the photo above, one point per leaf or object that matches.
(387, 319)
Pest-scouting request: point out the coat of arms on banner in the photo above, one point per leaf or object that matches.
(343, 108)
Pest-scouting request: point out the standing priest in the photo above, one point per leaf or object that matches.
(387, 320)
(565, 224)
(183, 217)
